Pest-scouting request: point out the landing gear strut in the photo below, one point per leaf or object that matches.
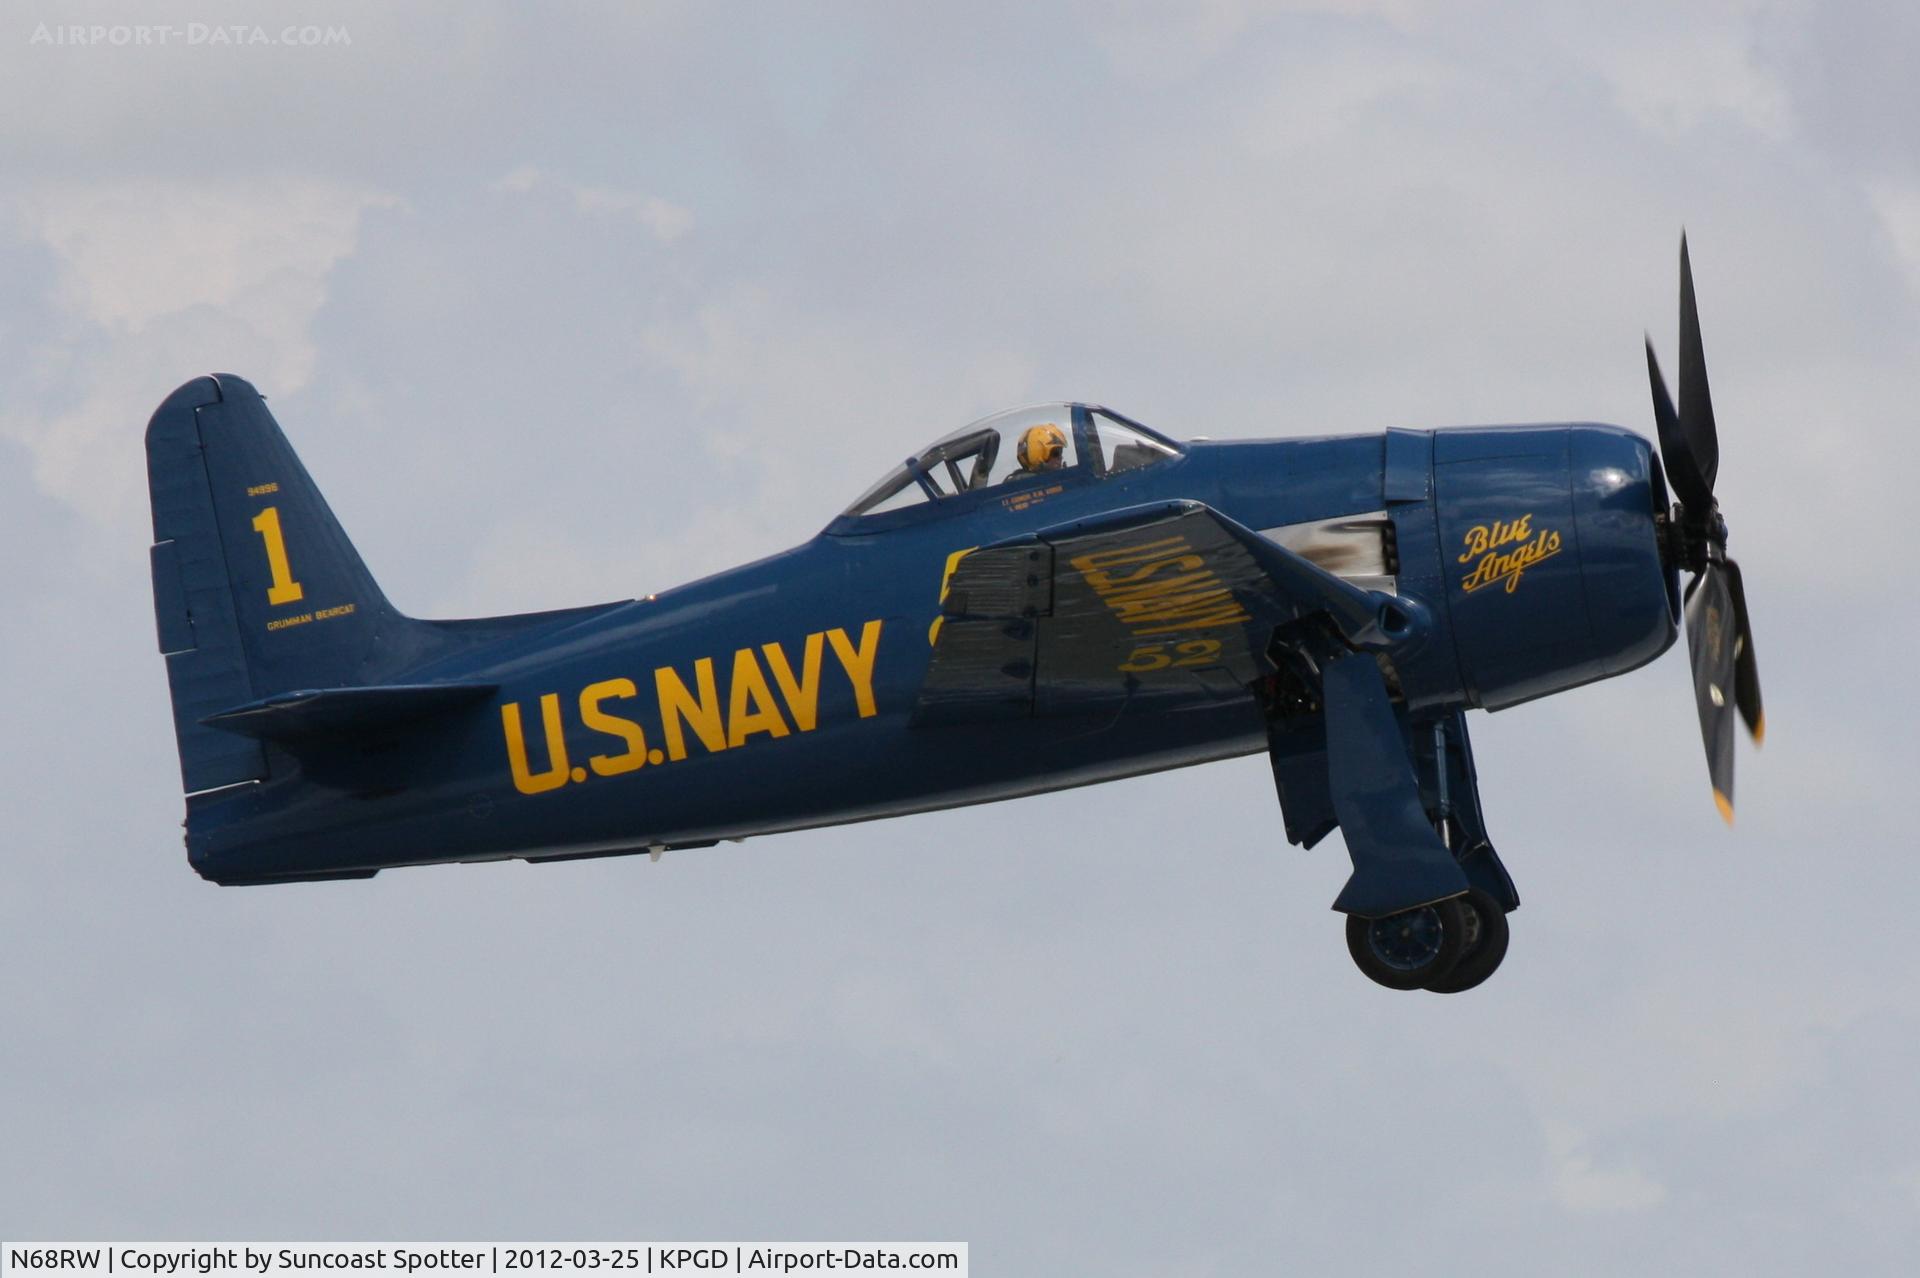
(1450, 792)
(1406, 797)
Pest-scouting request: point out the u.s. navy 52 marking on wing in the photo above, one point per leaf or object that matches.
(1165, 587)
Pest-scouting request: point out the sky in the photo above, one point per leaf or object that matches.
(566, 307)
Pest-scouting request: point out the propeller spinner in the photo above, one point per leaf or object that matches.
(1726, 679)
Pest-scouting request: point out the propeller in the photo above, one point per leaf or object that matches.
(1726, 680)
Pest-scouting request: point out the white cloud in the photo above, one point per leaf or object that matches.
(520, 180)
(767, 382)
(786, 373)
(1897, 205)
(132, 252)
(161, 280)
(1328, 99)
(1672, 80)
(1163, 43)
(1578, 1183)
(666, 220)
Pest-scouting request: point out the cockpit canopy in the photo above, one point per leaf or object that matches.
(1022, 447)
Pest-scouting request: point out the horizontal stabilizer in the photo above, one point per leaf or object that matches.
(323, 712)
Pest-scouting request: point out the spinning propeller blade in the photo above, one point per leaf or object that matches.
(1746, 672)
(1726, 678)
(1710, 643)
(1683, 476)
(1696, 405)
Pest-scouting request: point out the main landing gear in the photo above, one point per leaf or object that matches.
(1454, 944)
(1428, 900)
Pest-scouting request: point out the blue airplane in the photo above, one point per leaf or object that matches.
(1049, 597)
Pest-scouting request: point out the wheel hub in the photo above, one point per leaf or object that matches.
(1408, 941)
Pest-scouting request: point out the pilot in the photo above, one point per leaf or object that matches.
(1042, 447)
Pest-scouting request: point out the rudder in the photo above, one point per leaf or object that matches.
(257, 589)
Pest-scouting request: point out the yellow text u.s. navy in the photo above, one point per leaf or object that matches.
(619, 718)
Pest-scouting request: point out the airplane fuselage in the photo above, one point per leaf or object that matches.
(781, 695)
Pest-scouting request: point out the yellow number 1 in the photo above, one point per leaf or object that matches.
(285, 589)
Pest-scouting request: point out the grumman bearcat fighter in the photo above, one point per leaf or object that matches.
(1050, 597)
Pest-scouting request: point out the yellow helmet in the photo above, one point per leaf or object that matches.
(1042, 447)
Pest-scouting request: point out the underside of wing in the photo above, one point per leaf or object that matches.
(1149, 606)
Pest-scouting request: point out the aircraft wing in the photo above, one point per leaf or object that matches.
(1171, 601)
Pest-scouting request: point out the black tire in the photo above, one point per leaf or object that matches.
(1486, 945)
(1409, 950)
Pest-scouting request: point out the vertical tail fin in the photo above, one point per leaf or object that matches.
(256, 588)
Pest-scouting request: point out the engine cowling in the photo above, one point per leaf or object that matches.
(1550, 552)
